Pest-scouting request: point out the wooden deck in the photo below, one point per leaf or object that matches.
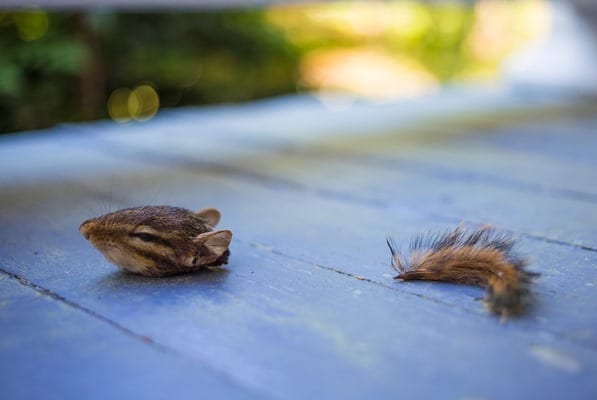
(307, 308)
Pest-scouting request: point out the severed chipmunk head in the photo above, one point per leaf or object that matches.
(159, 240)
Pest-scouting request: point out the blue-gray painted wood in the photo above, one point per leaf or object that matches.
(307, 306)
(54, 350)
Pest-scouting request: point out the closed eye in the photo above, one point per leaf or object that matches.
(147, 237)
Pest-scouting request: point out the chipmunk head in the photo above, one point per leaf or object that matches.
(159, 240)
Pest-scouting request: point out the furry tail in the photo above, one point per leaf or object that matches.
(481, 257)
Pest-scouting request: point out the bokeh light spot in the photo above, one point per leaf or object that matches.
(144, 103)
(118, 105)
(31, 24)
(140, 104)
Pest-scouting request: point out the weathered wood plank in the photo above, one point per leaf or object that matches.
(322, 231)
(50, 350)
(278, 323)
(440, 193)
(568, 141)
(291, 316)
(563, 219)
(356, 222)
(466, 164)
(474, 157)
(474, 146)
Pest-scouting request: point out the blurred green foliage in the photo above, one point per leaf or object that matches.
(37, 70)
(57, 67)
(67, 70)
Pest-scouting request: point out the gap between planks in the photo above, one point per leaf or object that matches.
(146, 340)
(264, 249)
(461, 124)
(104, 145)
(55, 296)
(435, 171)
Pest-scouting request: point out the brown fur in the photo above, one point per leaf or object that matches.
(481, 257)
(159, 240)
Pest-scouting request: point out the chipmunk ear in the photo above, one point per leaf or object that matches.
(210, 215)
(213, 244)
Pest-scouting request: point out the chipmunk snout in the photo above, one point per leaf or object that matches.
(86, 228)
